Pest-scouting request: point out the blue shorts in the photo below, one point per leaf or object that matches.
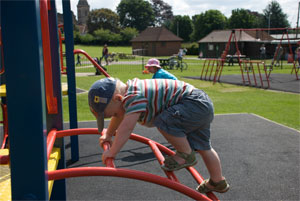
(190, 117)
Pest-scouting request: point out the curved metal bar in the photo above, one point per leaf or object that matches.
(147, 141)
(78, 51)
(130, 174)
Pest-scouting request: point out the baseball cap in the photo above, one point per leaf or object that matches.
(99, 97)
(153, 62)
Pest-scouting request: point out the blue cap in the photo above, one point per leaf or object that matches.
(100, 95)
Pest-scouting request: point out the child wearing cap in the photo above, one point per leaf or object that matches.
(181, 113)
(154, 67)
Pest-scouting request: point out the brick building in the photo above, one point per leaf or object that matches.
(156, 41)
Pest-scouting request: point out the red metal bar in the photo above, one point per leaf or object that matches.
(160, 158)
(260, 77)
(131, 174)
(78, 51)
(253, 72)
(266, 74)
(109, 161)
(267, 29)
(51, 100)
(144, 140)
(213, 62)
(5, 125)
(217, 70)
(50, 142)
(203, 68)
(248, 76)
(222, 65)
(212, 68)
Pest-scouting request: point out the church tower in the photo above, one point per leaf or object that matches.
(83, 9)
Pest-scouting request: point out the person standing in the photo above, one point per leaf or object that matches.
(262, 52)
(105, 54)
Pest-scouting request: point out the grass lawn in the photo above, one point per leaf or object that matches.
(281, 107)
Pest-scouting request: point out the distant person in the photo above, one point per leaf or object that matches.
(78, 60)
(180, 54)
(154, 67)
(105, 54)
(262, 51)
(279, 52)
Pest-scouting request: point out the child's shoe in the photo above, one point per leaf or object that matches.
(220, 187)
(171, 165)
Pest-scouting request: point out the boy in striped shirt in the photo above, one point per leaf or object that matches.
(180, 112)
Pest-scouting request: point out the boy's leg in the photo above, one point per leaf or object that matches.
(181, 144)
(213, 164)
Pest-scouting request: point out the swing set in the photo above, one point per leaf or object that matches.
(249, 69)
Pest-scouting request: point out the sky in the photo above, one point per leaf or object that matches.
(193, 7)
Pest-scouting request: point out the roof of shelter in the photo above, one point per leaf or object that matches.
(241, 36)
(154, 34)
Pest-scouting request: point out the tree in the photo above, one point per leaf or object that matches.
(162, 11)
(103, 19)
(128, 34)
(182, 27)
(205, 23)
(241, 18)
(136, 14)
(274, 16)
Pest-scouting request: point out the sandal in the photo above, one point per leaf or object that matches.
(170, 164)
(220, 187)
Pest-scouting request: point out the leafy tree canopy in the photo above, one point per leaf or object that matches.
(136, 14)
(103, 19)
(182, 27)
(162, 11)
(274, 16)
(241, 18)
(205, 23)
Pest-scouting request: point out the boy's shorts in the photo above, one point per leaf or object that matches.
(190, 117)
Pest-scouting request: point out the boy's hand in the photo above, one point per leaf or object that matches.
(105, 138)
(106, 154)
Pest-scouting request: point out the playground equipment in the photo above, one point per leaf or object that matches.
(245, 65)
(209, 65)
(34, 110)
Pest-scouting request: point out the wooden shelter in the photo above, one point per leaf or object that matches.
(156, 41)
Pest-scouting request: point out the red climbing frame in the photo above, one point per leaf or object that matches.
(210, 65)
(249, 67)
(111, 170)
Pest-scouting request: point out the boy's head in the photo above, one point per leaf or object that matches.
(99, 97)
(153, 65)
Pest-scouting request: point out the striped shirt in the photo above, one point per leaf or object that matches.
(152, 96)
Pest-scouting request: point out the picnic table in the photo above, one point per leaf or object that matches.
(230, 59)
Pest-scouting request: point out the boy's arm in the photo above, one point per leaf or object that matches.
(112, 127)
(122, 135)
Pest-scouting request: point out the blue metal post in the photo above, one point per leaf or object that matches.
(23, 59)
(69, 43)
(56, 120)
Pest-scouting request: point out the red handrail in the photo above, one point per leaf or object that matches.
(78, 51)
(51, 100)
